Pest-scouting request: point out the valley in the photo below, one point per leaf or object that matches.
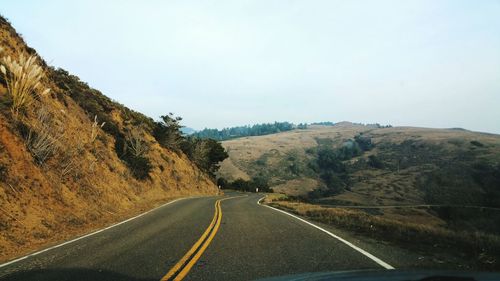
(391, 183)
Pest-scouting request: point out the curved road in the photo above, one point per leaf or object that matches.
(249, 241)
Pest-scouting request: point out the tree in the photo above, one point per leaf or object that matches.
(136, 143)
(364, 142)
(206, 153)
(375, 162)
(167, 132)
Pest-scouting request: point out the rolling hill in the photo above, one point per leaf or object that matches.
(407, 155)
(400, 166)
(440, 187)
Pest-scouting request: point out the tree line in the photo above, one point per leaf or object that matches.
(245, 185)
(247, 131)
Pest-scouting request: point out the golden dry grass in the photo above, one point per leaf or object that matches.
(480, 247)
(375, 186)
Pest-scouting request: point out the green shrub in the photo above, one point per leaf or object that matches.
(364, 142)
(375, 162)
(3, 172)
(476, 143)
(139, 166)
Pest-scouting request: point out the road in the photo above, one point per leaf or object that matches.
(232, 239)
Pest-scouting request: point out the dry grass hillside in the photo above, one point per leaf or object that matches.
(63, 172)
(405, 152)
(440, 186)
(272, 156)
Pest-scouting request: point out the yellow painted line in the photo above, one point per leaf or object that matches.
(191, 251)
(184, 265)
(197, 256)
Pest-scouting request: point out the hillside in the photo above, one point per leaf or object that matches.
(72, 160)
(441, 175)
(284, 159)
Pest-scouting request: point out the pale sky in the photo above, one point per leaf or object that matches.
(423, 63)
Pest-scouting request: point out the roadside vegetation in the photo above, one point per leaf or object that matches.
(22, 77)
(251, 185)
(482, 248)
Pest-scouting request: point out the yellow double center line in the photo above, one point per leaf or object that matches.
(184, 265)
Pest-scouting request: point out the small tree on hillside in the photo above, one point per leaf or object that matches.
(167, 132)
(136, 143)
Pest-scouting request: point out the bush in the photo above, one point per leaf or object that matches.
(246, 185)
(3, 172)
(375, 162)
(22, 78)
(364, 142)
(139, 166)
(41, 136)
(476, 143)
(136, 144)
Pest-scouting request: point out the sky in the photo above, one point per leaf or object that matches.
(427, 63)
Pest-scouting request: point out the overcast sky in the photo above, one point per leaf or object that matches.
(225, 63)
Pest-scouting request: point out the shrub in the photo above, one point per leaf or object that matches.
(476, 143)
(139, 166)
(136, 144)
(375, 162)
(246, 185)
(23, 79)
(41, 136)
(3, 172)
(364, 142)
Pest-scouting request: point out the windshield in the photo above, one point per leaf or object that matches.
(241, 140)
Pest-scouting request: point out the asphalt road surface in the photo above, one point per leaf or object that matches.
(197, 239)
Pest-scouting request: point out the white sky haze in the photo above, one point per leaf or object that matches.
(431, 63)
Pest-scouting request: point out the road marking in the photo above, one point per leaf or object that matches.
(372, 257)
(184, 265)
(90, 234)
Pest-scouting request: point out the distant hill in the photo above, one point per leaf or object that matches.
(399, 165)
(187, 131)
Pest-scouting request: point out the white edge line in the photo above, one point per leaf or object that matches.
(90, 234)
(372, 257)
